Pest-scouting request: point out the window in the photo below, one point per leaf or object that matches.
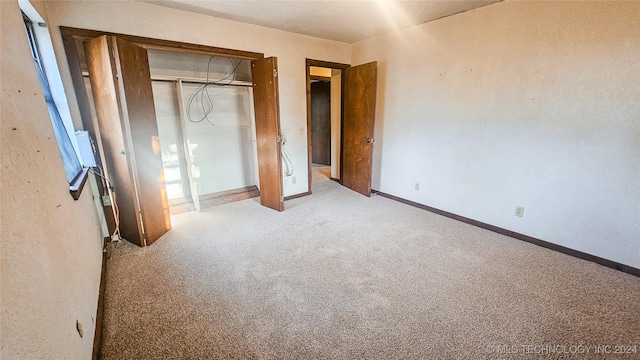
(72, 167)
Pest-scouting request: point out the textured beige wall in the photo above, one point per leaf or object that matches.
(532, 104)
(50, 244)
(155, 21)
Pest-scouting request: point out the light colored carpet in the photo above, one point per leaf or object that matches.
(341, 276)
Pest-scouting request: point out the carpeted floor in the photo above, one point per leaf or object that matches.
(341, 276)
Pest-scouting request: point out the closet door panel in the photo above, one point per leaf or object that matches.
(136, 94)
(100, 64)
(264, 74)
(122, 93)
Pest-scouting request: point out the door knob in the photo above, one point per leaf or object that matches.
(369, 140)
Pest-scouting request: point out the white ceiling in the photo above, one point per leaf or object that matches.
(345, 21)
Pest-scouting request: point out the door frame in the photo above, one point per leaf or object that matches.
(330, 65)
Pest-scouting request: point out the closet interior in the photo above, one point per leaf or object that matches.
(206, 127)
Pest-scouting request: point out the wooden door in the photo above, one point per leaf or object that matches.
(358, 121)
(121, 84)
(264, 75)
(111, 135)
(321, 122)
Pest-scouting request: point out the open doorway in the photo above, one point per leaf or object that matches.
(324, 125)
(352, 136)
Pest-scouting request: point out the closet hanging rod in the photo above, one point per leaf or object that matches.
(190, 80)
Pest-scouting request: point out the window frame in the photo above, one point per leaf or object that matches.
(75, 174)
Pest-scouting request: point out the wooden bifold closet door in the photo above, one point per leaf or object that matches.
(264, 74)
(122, 93)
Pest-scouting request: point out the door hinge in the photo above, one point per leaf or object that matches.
(278, 139)
(275, 73)
(281, 198)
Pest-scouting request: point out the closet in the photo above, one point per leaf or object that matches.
(204, 112)
(175, 124)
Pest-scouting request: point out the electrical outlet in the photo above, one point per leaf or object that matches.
(106, 200)
(519, 211)
(417, 187)
(293, 180)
